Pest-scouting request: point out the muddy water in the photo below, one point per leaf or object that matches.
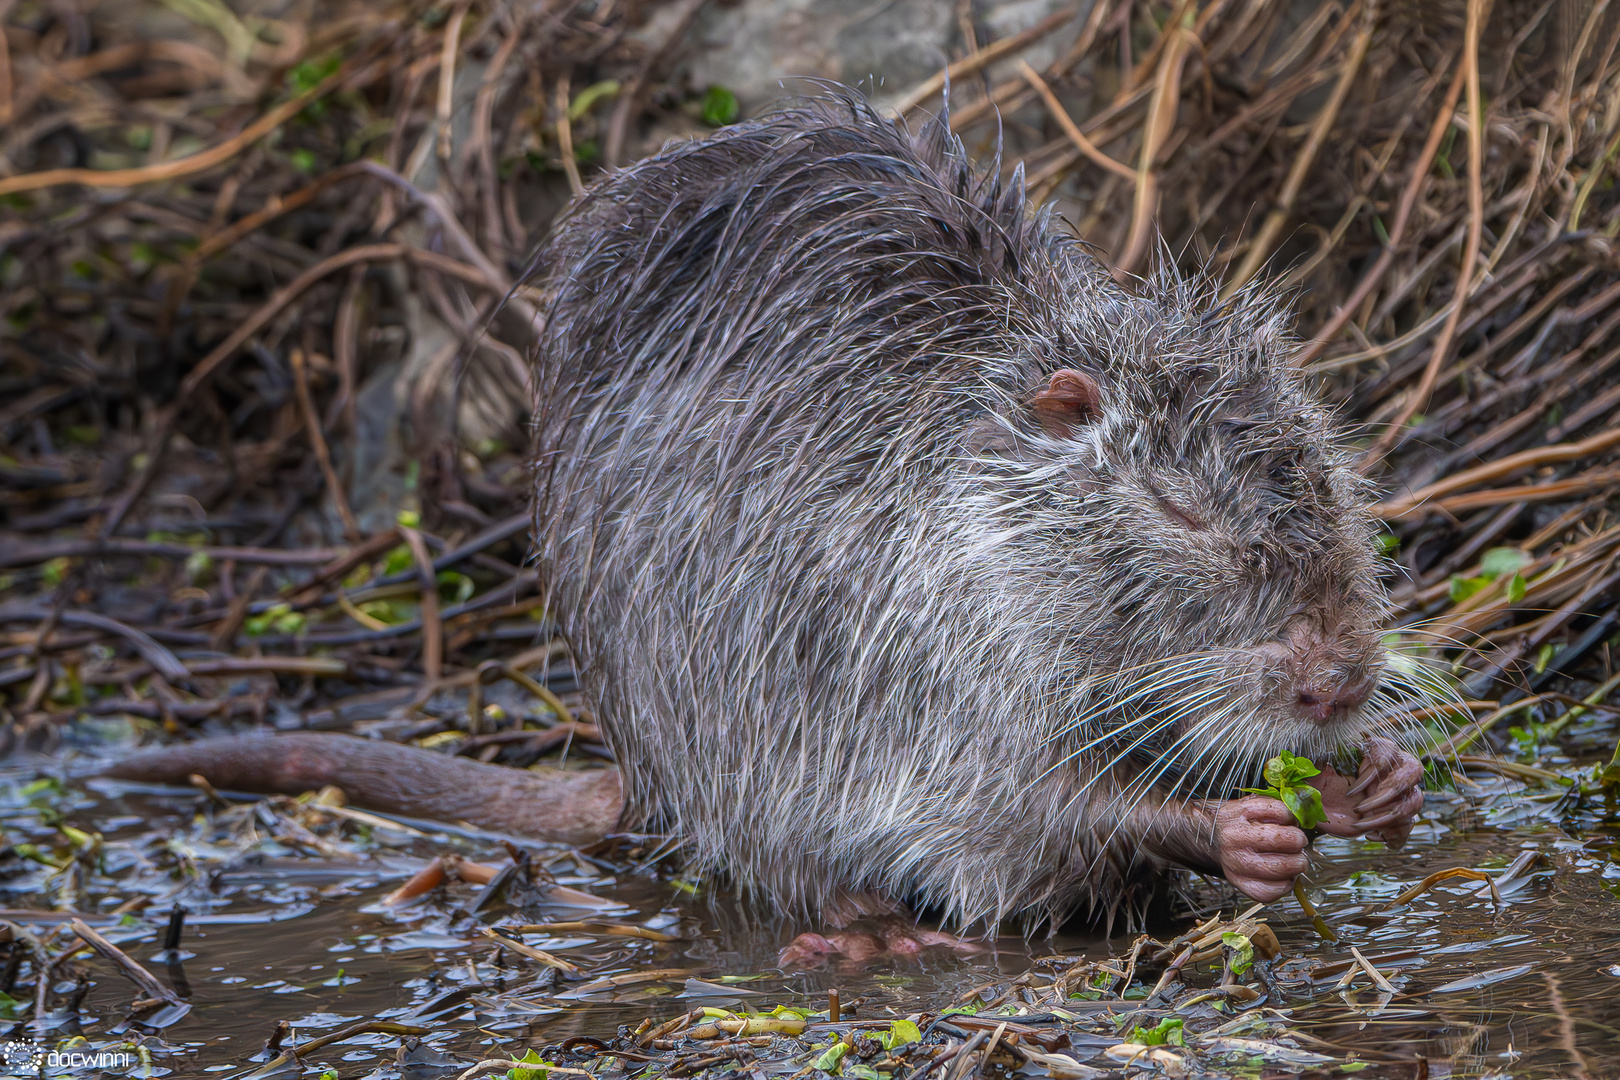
(286, 926)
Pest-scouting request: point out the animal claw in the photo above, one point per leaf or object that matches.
(1382, 799)
(1363, 782)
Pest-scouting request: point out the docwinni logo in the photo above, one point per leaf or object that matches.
(24, 1054)
(20, 1054)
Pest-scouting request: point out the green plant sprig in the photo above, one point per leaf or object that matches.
(1287, 773)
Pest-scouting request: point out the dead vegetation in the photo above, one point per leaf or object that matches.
(254, 431)
(259, 457)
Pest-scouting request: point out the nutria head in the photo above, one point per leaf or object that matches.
(1208, 574)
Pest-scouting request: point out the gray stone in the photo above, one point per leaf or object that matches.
(763, 50)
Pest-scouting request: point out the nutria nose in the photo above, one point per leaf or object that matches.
(1325, 701)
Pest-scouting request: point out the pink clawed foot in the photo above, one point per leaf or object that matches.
(890, 936)
(1383, 801)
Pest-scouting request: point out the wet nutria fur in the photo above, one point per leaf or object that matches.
(865, 598)
(904, 553)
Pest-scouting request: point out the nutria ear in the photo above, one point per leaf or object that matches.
(1070, 399)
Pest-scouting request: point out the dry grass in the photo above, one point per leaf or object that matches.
(216, 240)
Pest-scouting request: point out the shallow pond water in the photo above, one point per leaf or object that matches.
(285, 925)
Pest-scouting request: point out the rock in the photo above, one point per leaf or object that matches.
(763, 50)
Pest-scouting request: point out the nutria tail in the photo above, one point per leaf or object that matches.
(565, 807)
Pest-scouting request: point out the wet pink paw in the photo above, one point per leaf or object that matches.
(1382, 802)
(1261, 849)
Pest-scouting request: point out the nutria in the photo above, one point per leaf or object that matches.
(905, 555)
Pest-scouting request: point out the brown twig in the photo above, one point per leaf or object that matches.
(186, 166)
(145, 980)
(1270, 229)
(530, 951)
(432, 629)
(1403, 215)
(317, 443)
(1419, 399)
(1161, 119)
(198, 376)
(1076, 136)
(447, 81)
(565, 137)
(981, 58)
(1494, 470)
(630, 97)
(225, 634)
(344, 333)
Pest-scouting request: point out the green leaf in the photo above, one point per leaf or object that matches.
(1242, 951)
(719, 107)
(1502, 560)
(257, 625)
(1305, 803)
(311, 73)
(1462, 588)
(55, 570)
(900, 1033)
(1544, 656)
(1288, 769)
(531, 1057)
(1287, 773)
(199, 564)
(1515, 588)
(397, 560)
(830, 1057)
(454, 586)
(1527, 740)
(1167, 1032)
(1442, 160)
(391, 612)
(79, 838)
(35, 853)
(45, 786)
(863, 1072)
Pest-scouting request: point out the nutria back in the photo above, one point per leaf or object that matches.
(903, 551)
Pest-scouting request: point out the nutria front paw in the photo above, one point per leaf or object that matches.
(1381, 803)
(1260, 847)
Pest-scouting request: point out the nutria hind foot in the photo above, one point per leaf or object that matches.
(895, 935)
(575, 807)
(865, 926)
